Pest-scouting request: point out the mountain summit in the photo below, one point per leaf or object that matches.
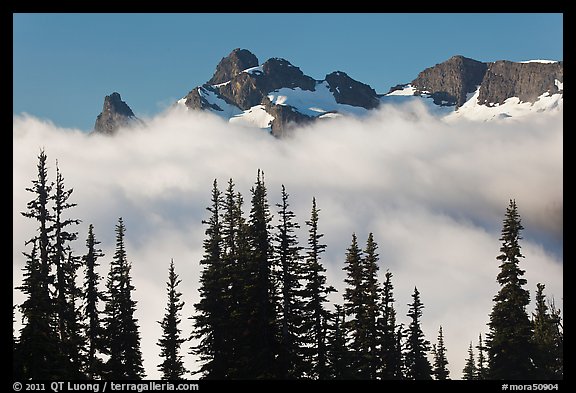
(115, 114)
(277, 94)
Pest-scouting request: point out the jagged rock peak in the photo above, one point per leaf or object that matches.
(115, 114)
(230, 66)
(351, 92)
(526, 80)
(449, 82)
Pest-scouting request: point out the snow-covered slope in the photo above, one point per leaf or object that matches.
(276, 94)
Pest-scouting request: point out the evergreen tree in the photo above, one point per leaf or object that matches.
(440, 368)
(315, 294)
(289, 263)
(482, 369)
(354, 302)
(263, 328)
(547, 339)
(416, 360)
(71, 342)
(172, 367)
(38, 344)
(122, 333)
(210, 318)
(337, 353)
(371, 313)
(390, 344)
(92, 296)
(509, 339)
(470, 370)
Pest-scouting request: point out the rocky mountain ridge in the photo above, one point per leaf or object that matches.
(276, 94)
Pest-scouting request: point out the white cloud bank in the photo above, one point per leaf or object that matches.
(433, 194)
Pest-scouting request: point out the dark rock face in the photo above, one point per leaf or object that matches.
(279, 73)
(351, 92)
(527, 81)
(115, 114)
(232, 65)
(450, 81)
(285, 117)
(195, 101)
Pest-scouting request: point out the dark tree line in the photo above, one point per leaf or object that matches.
(264, 309)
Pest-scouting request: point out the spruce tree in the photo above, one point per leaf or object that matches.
(315, 294)
(509, 339)
(482, 369)
(263, 328)
(440, 367)
(416, 360)
(354, 302)
(470, 371)
(372, 293)
(92, 297)
(39, 342)
(337, 353)
(71, 342)
(289, 265)
(210, 318)
(390, 342)
(172, 367)
(122, 333)
(547, 339)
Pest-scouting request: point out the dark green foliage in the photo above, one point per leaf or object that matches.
(337, 353)
(71, 341)
(509, 339)
(440, 367)
(390, 339)
(315, 294)
(415, 357)
(289, 265)
(470, 371)
(482, 369)
(122, 335)
(92, 296)
(172, 367)
(210, 319)
(547, 339)
(262, 332)
(362, 304)
(39, 342)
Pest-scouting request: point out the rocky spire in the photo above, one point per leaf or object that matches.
(230, 66)
(115, 114)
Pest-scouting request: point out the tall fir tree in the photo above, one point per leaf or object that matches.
(482, 368)
(122, 332)
(469, 372)
(71, 342)
(354, 303)
(172, 368)
(337, 353)
(94, 331)
(547, 339)
(440, 366)
(390, 339)
(509, 339)
(315, 294)
(416, 361)
(289, 271)
(39, 342)
(210, 319)
(372, 293)
(263, 324)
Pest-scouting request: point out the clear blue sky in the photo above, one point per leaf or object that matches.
(64, 64)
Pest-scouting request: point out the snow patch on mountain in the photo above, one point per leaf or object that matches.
(313, 103)
(511, 108)
(254, 117)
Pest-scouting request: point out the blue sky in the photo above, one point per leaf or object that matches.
(64, 64)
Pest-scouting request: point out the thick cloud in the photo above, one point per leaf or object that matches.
(433, 193)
